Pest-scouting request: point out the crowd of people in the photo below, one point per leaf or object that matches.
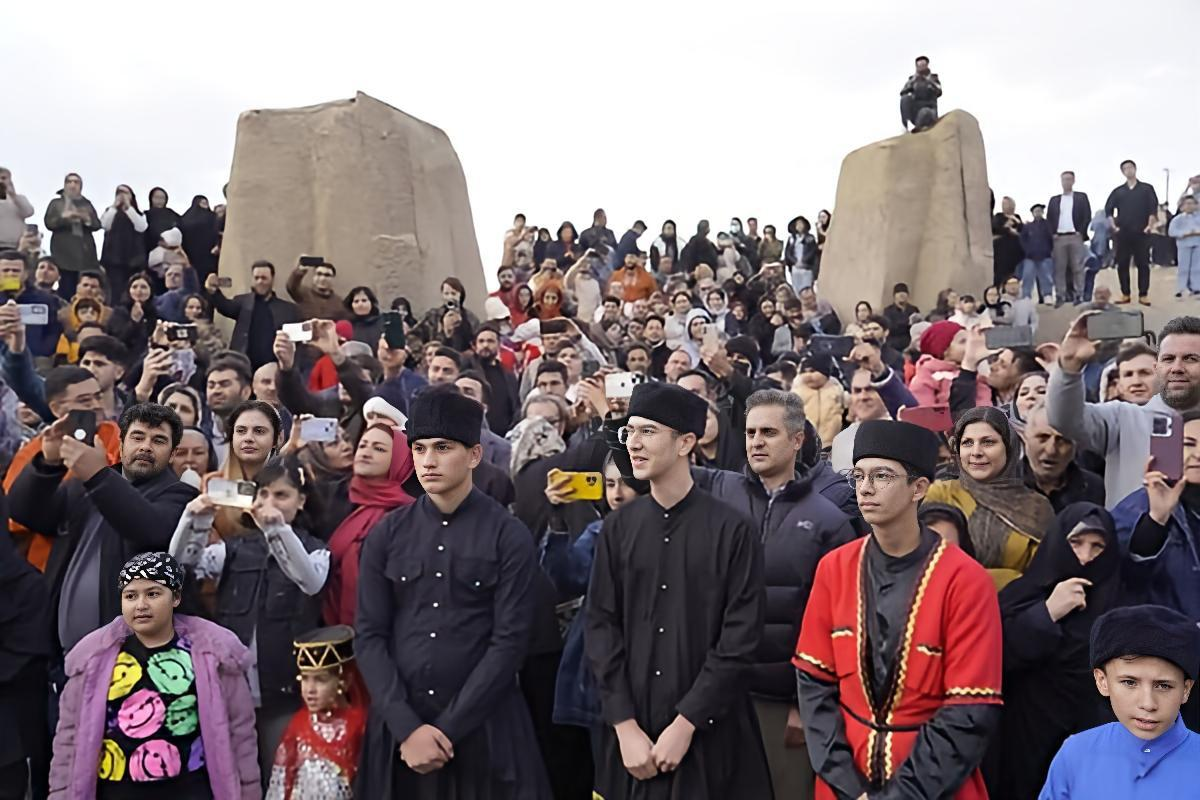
(650, 520)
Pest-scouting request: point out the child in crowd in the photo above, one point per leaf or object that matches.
(85, 313)
(968, 314)
(318, 755)
(943, 345)
(156, 704)
(1145, 660)
(823, 395)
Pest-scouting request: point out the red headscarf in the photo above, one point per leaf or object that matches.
(549, 310)
(338, 740)
(372, 499)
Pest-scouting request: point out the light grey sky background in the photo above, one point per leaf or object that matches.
(649, 109)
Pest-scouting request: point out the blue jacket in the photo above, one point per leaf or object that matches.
(19, 373)
(1037, 240)
(627, 245)
(1110, 763)
(1170, 578)
(42, 339)
(569, 565)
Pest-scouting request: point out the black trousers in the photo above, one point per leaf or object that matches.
(566, 749)
(1134, 246)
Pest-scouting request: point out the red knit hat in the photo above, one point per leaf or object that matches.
(345, 330)
(937, 338)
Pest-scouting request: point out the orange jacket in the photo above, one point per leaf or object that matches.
(35, 545)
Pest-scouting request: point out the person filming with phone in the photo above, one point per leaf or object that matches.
(14, 210)
(1121, 431)
(311, 286)
(106, 516)
(257, 314)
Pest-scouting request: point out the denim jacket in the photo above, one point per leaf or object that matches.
(569, 565)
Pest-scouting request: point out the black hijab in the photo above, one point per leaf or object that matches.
(200, 235)
(122, 243)
(158, 220)
(1056, 562)
(1049, 692)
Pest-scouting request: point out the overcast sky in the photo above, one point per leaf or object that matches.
(649, 109)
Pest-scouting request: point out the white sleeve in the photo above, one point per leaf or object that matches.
(527, 330)
(212, 562)
(190, 537)
(139, 222)
(590, 348)
(106, 219)
(306, 570)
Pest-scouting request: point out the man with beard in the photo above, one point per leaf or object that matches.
(503, 403)
(108, 515)
(1118, 430)
(229, 382)
(507, 292)
(675, 615)
(899, 656)
(654, 334)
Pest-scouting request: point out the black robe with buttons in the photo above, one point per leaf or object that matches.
(675, 613)
(445, 608)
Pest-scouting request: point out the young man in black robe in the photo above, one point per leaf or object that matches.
(675, 614)
(445, 607)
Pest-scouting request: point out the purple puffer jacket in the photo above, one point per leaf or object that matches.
(226, 710)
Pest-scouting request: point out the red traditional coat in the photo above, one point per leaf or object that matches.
(950, 653)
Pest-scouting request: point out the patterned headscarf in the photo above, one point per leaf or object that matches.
(158, 567)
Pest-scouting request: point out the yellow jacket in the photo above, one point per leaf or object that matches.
(1019, 547)
(824, 408)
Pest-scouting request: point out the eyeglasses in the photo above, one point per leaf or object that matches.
(878, 478)
(626, 432)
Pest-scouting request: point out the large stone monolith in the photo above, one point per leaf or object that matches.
(377, 192)
(914, 209)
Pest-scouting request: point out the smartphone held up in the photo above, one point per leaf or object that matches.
(232, 494)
